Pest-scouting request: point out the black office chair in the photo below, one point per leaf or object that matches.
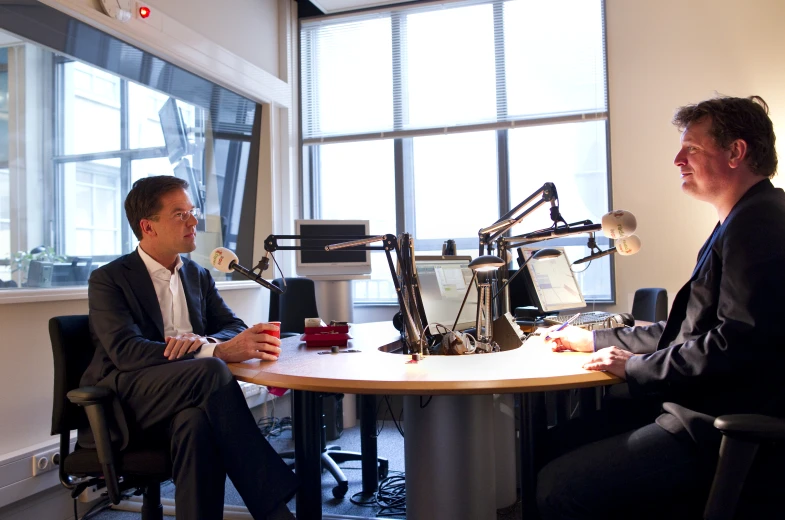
(650, 304)
(291, 308)
(742, 437)
(139, 467)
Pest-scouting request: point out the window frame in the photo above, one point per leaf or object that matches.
(403, 143)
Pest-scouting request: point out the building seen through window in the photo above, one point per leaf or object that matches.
(76, 135)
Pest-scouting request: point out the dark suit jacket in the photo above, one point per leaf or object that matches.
(722, 349)
(126, 322)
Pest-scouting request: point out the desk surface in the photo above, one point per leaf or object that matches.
(530, 368)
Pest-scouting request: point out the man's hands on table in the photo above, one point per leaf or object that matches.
(576, 339)
(257, 342)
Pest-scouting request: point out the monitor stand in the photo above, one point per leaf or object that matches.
(334, 297)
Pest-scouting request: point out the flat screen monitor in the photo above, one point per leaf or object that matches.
(173, 128)
(552, 283)
(443, 284)
(315, 261)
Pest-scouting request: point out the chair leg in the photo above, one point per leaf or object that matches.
(151, 503)
(736, 457)
(332, 466)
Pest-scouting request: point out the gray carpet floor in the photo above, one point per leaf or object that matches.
(390, 445)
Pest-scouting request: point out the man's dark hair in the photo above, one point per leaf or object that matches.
(144, 199)
(737, 118)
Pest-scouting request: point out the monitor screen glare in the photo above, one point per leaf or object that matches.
(554, 282)
(443, 284)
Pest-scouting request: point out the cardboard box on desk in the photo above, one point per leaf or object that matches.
(329, 336)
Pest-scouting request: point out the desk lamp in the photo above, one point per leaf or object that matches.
(483, 267)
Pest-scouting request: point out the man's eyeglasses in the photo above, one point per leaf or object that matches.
(185, 215)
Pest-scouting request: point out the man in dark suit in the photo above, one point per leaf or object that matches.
(720, 352)
(163, 336)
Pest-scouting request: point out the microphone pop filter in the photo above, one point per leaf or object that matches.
(618, 224)
(628, 245)
(222, 258)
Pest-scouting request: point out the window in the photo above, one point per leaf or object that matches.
(75, 135)
(458, 113)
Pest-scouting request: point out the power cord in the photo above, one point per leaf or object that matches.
(274, 426)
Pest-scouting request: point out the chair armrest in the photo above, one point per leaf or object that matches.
(751, 427)
(90, 395)
(94, 400)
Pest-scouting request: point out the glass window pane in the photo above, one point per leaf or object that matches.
(91, 110)
(92, 208)
(358, 182)
(350, 83)
(554, 56)
(144, 127)
(581, 179)
(456, 186)
(450, 74)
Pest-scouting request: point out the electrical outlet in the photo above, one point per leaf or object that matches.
(46, 461)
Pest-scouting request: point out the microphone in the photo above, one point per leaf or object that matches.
(624, 246)
(226, 261)
(619, 224)
(616, 224)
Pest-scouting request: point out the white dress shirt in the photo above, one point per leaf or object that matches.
(171, 298)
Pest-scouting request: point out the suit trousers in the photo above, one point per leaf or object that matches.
(617, 463)
(212, 434)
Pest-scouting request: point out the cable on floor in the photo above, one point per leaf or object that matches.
(274, 426)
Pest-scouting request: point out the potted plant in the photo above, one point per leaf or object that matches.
(20, 261)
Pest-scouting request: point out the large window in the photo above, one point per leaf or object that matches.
(438, 119)
(78, 128)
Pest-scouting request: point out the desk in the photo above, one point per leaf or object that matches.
(530, 369)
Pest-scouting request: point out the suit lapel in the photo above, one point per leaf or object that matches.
(142, 286)
(190, 280)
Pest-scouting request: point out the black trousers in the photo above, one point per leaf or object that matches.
(199, 407)
(617, 463)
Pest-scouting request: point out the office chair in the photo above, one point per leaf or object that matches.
(291, 308)
(138, 467)
(650, 304)
(742, 437)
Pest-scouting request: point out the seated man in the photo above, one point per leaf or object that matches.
(163, 336)
(720, 351)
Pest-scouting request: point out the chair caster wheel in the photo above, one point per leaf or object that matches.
(340, 490)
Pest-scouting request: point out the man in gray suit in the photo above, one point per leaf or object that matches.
(720, 351)
(163, 336)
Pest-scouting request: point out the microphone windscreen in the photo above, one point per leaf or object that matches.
(618, 224)
(222, 258)
(628, 245)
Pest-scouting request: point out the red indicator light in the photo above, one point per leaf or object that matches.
(144, 12)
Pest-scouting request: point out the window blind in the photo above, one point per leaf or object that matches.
(452, 67)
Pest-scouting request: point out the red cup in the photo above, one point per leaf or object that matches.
(276, 332)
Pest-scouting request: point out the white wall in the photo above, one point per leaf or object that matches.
(661, 55)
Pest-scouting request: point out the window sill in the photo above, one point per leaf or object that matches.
(55, 294)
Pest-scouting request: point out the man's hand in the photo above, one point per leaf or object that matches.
(570, 338)
(185, 343)
(253, 343)
(610, 359)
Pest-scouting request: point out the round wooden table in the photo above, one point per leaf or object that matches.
(436, 444)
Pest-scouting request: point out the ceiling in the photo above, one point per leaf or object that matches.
(337, 6)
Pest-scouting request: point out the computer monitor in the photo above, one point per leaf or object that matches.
(443, 284)
(184, 171)
(551, 282)
(173, 128)
(315, 261)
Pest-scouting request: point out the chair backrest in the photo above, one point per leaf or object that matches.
(650, 304)
(72, 350)
(293, 306)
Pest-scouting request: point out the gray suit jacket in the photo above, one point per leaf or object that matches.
(127, 326)
(722, 349)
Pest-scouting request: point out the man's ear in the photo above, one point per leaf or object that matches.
(738, 152)
(146, 226)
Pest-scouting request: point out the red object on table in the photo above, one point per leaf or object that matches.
(329, 336)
